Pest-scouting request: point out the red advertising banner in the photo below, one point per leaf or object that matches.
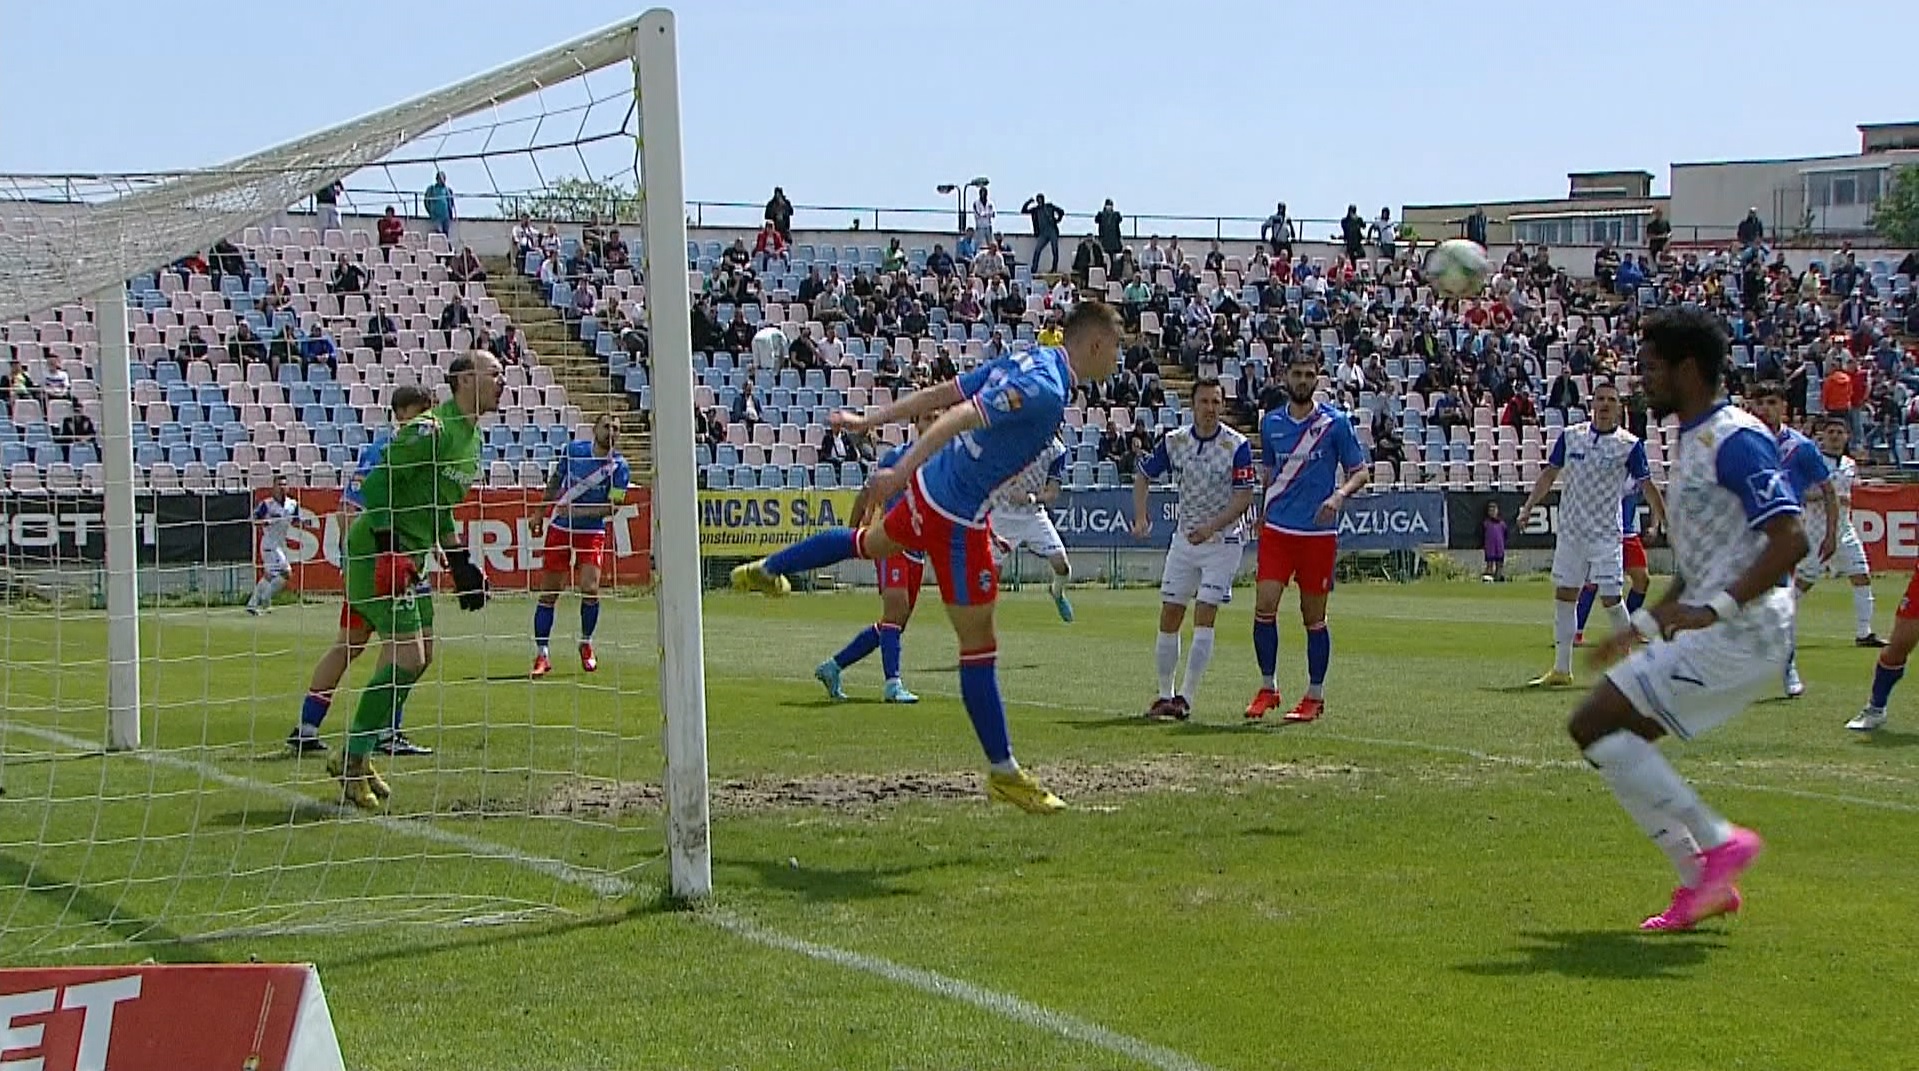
(1887, 517)
(495, 525)
(152, 1018)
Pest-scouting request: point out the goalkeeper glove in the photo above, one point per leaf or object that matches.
(469, 580)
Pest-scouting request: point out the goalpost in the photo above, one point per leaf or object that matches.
(193, 822)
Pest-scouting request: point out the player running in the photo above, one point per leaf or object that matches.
(1014, 407)
(1812, 485)
(1849, 553)
(274, 516)
(1632, 552)
(1212, 468)
(899, 579)
(407, 402)
(428, 467)
(1891, 665)
(1313, 465)
(1596, 458)
(588, 485)
(1718, 637)
(1019, 519)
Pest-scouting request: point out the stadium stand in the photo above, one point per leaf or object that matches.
(275, 355)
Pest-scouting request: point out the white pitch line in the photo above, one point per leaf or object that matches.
(1004, 1005)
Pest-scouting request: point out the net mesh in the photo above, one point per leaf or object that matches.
(539, 796)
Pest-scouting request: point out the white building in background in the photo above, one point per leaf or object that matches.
(1823, 194)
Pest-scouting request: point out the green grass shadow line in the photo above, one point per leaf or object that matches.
(158, 941)
(1602, 955)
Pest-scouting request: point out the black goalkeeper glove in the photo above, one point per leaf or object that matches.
(469, 580)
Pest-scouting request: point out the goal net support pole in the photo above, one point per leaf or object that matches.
(123, 587)
(675, 491)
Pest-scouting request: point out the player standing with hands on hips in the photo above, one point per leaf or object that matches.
(1313, 465)
(1211, 465)
(1719, 636)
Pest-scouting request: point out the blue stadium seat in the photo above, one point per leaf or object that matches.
(718, 478)
(16, 454)
(146, 455)
(214, 454)
(826, 476)
(83, 454)
(850, 474)
(182, 455)
(796, 477)
(1107, 474)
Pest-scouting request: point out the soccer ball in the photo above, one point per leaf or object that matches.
(1457, 268)
(769, 347)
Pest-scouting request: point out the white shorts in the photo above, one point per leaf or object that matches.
(1202, 571)
(1577, 564)
(1034, 530)
(1848, 559)
(1698, 680)
(274, 562)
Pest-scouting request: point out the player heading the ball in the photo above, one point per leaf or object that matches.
(1012, 407)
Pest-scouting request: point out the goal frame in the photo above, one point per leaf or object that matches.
(237, 195)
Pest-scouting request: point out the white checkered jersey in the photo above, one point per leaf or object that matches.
(276, 516)
(1049, 466)
(1727, 482)
(1207, 473)
(1593, 468)
(1845, 473)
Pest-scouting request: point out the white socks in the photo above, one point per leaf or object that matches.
(1618, 615)
(265, 590)
(1166, 657)
(1659, 800)
(1862, 611)
(1196, 660)
(1058, 587)
(1565, 627)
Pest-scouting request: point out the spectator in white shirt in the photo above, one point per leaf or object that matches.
(58, 384)
(1153, 257)
(983, 220)
(1062, 295)
(831, 350)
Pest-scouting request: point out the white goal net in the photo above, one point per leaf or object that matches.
(183, 354)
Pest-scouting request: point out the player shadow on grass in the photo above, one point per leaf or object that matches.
(1889, 738)
(834, 885)
(1602, 954)
(72, 898)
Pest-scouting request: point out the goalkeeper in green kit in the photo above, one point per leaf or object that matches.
(429, 465)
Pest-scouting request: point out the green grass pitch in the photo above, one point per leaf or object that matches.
(1428, 878)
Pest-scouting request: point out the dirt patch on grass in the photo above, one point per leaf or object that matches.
(855, 792)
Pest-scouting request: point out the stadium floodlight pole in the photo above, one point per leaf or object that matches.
(123, 585)
(676, 503)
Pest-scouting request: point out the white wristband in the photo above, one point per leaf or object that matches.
(1644, 623)
(1723, 606)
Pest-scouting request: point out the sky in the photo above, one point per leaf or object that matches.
(1219, 108)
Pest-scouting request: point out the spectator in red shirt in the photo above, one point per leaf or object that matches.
(1520, 411)
(770, 243)
(390, 229)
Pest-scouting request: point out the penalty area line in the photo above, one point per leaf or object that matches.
(1004, 1005)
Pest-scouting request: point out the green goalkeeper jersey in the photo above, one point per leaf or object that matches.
(428, 467)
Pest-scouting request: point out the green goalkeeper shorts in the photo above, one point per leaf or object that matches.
(405, 612)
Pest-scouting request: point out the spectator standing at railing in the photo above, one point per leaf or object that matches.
(326, 203)
(1277, 232)
(1385, 234)
(983, 220)
(525, 235)
(439, 204)
(1107, 222)
(390, 229)
(1046, 219)
(1475, 225)
(1352, 231)
(1658, 234)
(779, 212)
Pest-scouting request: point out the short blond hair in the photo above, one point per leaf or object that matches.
(1089, 316)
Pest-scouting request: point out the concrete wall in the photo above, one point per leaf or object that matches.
(1717, 195)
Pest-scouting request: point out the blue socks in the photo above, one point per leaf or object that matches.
(860, 646)
(1634, 600)
(1266, 646)
(1319, 655)
(1587, 595)
(313, 711)
(817, 551)
(1884, 677)
(889, 640)
(979, 690)
(589, 617)
(542, 624)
